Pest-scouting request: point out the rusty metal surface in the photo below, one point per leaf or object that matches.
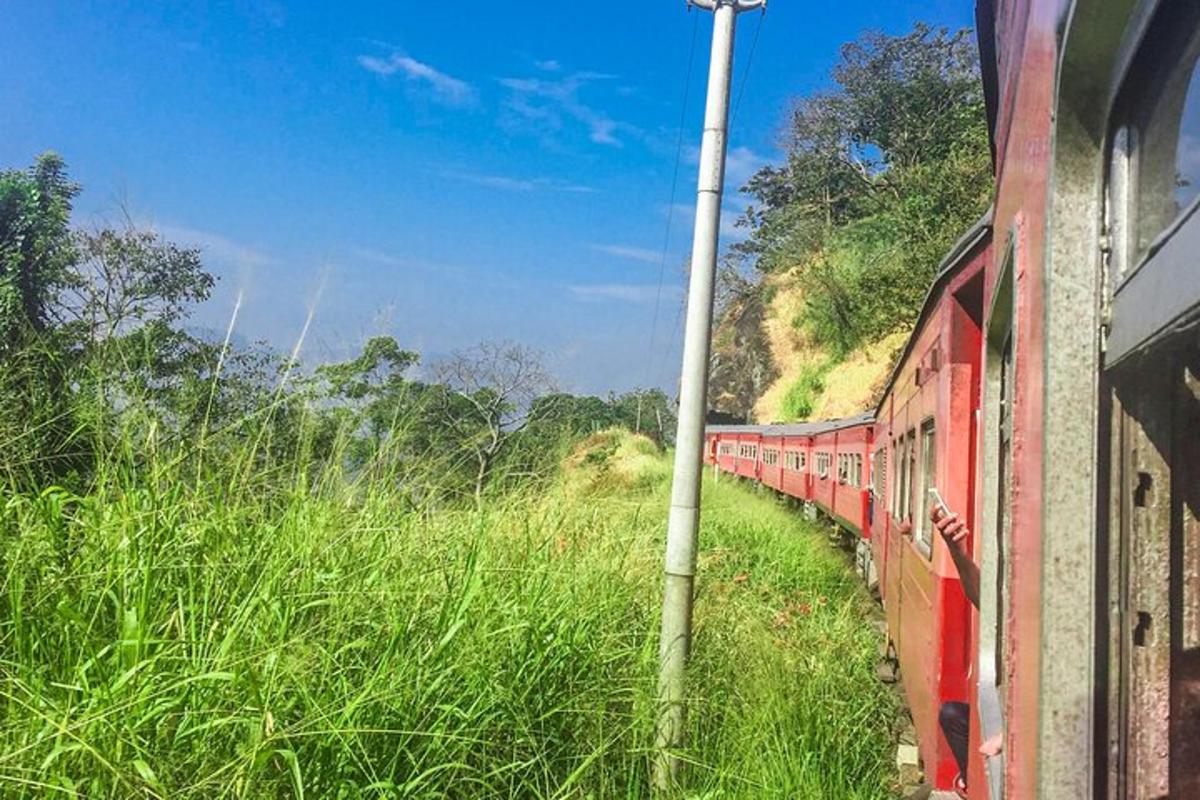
(1155, 741)
(1185, 665)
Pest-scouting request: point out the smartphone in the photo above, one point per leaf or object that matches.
(939, 503)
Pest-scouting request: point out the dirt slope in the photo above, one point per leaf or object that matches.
(850, 386)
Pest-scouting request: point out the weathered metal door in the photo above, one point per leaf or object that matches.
(1156, 522)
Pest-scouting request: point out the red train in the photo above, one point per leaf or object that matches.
(1051, 393)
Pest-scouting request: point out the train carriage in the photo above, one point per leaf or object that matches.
(771, 456)
(1050, 393)
(850, 499)
(925, 431)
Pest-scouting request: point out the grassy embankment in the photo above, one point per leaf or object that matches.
(816, 382)
(161, 638)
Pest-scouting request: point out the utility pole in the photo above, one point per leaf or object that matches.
(676, 637)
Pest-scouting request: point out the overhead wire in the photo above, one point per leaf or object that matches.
(662, 265)
(675, 329)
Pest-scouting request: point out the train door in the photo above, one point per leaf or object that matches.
(1152, 383)
(993, 544)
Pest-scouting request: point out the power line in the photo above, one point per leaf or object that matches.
(746, 72)
(675, 329)
(662, 264)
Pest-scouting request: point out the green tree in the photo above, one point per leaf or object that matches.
(882, 174)
(492, 392)
(37, 249)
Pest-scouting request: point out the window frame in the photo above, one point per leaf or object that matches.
(923, 528)
(1153, 281)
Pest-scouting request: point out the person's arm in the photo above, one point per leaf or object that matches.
(955, 533)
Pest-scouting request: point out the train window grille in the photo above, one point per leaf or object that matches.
(770, 456)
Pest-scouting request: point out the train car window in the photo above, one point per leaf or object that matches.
(924, 527)
(1162, 136)
(906, 489)
(905, 483)
(879, 474)
(1153, 188)
(897, 474)
(802, 459)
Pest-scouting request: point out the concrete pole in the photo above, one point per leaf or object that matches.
(675, 639)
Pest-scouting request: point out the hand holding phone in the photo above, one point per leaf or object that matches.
(935, 498)
(953, 529)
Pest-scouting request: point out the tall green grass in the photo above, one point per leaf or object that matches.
(179, 634)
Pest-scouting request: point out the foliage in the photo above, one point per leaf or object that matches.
(802, 395)
(174, 634)
(882, 174)
(223, 575)
(93, 340)
(36, 246)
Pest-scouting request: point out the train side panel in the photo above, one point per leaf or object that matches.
(926, 432)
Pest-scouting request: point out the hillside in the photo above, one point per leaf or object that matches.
(767, 369)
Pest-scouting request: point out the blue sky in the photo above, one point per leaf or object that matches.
(441, 172)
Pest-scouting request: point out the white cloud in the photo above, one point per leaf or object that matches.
(549, 103)
(740, 165)
(631, 253)
(213, 245)
(622, 292)
(549, 65)
(513, 184)
(376, 257)
(445, 89)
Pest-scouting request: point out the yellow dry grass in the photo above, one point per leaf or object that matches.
(791, 350)
(853, 386)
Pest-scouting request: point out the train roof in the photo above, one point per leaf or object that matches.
(796, 428)
(954, 260)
